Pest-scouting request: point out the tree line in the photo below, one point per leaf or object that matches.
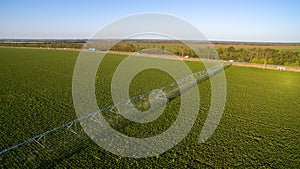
(43, 44)
(286, 57)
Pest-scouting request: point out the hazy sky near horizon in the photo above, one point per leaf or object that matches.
(237, 20)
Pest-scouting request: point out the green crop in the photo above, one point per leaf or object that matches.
(259, 127)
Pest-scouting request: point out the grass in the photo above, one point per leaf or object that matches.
(259, 127)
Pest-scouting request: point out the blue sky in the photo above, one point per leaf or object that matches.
(243, 20)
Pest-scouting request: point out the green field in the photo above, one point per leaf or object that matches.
(259, 128)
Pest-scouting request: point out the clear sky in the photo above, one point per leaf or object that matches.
(238, 20)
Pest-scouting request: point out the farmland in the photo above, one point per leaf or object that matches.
(259, 128)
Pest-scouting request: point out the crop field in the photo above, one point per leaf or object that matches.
(259, 127)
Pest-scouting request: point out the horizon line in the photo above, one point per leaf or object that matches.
(211, 40)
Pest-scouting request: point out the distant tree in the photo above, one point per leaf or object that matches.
(255, 60)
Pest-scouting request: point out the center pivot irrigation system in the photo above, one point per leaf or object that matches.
(171, 91)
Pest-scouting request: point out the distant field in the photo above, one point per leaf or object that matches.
(79, 44)
(223, 44)
(259, 128)
(264, 46)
